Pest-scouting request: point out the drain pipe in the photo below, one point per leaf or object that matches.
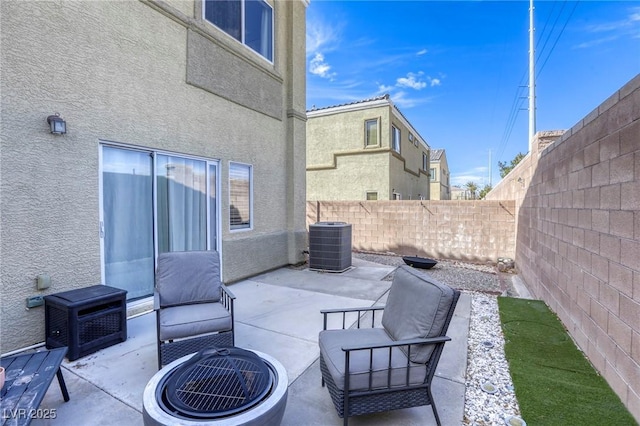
(28, 348)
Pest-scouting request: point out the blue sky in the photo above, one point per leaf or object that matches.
(457, 69)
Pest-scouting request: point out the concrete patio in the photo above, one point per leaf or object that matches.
(277, 313)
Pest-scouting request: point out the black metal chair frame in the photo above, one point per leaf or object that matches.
(373, 400)
(170, 350)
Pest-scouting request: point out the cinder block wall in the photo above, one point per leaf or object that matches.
(578, 243)
(476, 231)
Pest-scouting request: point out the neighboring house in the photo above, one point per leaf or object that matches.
(365, 150)
(458, 193)
(439, 174)
(185, 130)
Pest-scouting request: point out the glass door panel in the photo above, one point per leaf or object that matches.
(127, 216)
(213, 211)
(181, 203)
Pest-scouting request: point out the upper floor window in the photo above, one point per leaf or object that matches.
(434, 175)
(425, 161)
(248, 21)
(372, 195)
(371, 132)
(395, 139)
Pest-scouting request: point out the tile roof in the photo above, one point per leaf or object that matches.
(377, 98)
(386, 97)
(436, 154)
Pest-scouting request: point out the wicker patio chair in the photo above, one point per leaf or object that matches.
(194, 310)
(389, 367)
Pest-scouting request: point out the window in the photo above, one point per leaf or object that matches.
(425, 161)
(434, 175)
(413, 139)
(371, 132)
(395, 139)
(240, 196)
(372, 195)
(248, 21)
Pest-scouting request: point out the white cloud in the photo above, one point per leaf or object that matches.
(384, 89)
(417, 81)
(477, 175)
(402, 99)
(321, 37)
(319, 67)
(421, 52)
(628, 26)
(412, 81)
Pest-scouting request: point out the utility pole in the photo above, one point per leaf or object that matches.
(532, 80)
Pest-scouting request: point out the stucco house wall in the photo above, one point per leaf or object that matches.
(341, 167)
(142, 74)
(440, 183)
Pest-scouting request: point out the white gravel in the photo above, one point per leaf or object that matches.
(488, 367)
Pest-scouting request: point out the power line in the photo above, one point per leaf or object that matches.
(558, 38)
(540, 52)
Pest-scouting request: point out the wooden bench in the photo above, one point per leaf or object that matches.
(27, 379)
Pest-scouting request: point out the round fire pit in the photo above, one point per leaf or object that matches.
(219, 386)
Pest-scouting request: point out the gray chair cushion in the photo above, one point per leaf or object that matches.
(331, 343)
(190, 320)
(188, 277)
(417, 307)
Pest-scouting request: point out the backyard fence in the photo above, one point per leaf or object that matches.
(476, 231)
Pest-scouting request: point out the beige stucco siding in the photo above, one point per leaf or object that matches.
(343, 133)
(116, 71)
(351, 179)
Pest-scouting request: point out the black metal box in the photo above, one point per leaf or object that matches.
(86, 319)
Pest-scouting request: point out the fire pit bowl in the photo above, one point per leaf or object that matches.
(419, 262)
(217, 386)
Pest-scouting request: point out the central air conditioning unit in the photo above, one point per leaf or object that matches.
(330, 246)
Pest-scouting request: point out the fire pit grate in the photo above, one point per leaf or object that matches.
(216, 383)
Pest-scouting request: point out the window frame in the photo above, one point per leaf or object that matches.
(366, 133)
(241, 227)
(433, 175)
(395, 141)
(367, 193)
(242, 40)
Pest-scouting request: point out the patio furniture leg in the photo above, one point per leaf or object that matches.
(63, 386)
(433, 406)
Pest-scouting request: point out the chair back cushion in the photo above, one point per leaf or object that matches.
(417, 307)
(188, 277)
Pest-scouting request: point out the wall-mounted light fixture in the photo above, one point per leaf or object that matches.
(521, 181)
(57, 125)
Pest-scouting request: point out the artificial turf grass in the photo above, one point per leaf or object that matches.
(554, 383)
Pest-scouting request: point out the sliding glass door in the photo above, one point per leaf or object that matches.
(153, 203)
